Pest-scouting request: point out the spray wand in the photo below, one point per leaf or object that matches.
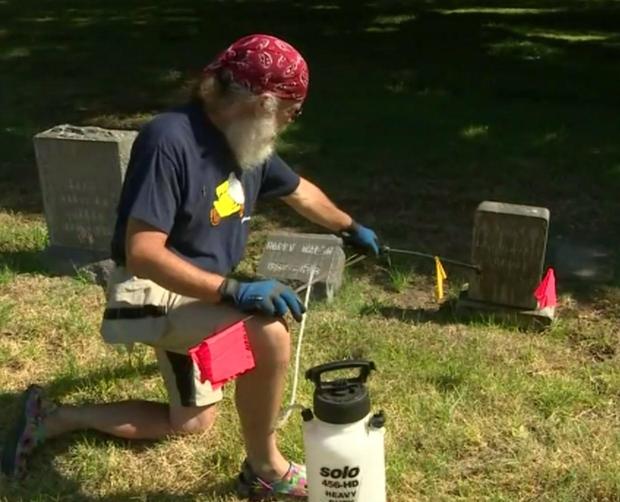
(387, 250)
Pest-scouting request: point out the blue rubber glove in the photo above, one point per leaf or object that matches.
(268, 297)
(361, 237)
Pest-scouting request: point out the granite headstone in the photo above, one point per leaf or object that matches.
(81, 170)
(509, 245)
(291, 258)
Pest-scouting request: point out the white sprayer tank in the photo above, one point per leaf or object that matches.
(343, 440)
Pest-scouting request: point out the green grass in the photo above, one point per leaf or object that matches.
(417, 112)
(399, 278)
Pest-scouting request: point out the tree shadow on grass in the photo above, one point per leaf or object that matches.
(64, 385)
(24, 262)
(409, 76)
(449, 314)
(444, 315)
(89, 266)
(56, 487)
(51, 485)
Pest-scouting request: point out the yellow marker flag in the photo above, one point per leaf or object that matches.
(441, 276)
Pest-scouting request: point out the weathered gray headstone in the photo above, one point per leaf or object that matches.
(291, 257)
(81, 170)
(509, 245)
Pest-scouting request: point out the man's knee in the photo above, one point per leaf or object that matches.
(270, 340)
(192, 420)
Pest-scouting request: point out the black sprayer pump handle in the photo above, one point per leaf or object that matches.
(365, 367)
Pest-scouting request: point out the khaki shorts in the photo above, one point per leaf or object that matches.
(187, 322)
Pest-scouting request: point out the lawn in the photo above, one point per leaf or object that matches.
(417, 112)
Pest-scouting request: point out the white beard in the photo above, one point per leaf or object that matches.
(252, 141)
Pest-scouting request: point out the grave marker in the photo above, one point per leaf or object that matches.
(81, 170)
(291, 257)
(509, 246)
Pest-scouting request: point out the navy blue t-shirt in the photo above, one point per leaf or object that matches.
(182, 179)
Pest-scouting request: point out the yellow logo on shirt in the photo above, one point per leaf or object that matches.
(230, 200)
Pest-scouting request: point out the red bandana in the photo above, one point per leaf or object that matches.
(263, 63)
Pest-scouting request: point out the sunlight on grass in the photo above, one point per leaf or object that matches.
(474, 131)
(554, 34)
(83, 21)
(523, 49)
(448, 377)
(570, 37)
(6, 274)
(20, 233)
(388, 24)
(325, 7)
(40, 20)
(456, 396)
(552, 137)
(507, 11)
(5, 312)
(21, 241)
(399, 278)
(387, 20)
(560, 396)
(15, 53)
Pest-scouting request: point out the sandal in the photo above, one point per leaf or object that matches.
(292, 484)
(26, 434)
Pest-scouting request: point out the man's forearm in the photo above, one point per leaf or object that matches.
(177, 275)
(149, 258)
(310, 202)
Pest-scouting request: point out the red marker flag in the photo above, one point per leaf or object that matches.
(224, 356)
(545, 293)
